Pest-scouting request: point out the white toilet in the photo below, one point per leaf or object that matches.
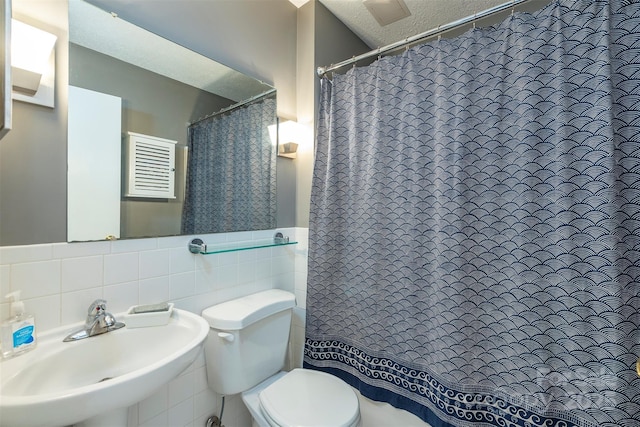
(245, 352)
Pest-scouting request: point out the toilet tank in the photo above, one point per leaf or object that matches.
(248, 339)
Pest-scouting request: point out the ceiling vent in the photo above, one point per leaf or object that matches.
(387, 11)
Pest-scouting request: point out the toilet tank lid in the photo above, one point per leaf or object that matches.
(242, 312)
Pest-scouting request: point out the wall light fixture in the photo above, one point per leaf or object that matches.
(289, 134)
(32, 64)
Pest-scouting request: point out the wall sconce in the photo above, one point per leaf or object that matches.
(288, 133)
(288, 149)
(32, 64)
(289, 137)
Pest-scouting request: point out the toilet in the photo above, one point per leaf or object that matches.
(245, 353)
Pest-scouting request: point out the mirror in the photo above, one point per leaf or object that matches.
(161, 88)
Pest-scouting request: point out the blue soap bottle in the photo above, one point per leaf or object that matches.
(19, 330)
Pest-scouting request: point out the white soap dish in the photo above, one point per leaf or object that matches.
(142, 319)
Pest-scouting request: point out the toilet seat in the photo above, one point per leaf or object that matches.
(308, 398)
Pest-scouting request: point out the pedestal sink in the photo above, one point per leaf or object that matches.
(94, 380)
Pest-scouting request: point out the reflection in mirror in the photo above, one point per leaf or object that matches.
(161, 89)
(230, 180)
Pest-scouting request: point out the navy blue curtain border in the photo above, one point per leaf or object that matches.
(488, 409)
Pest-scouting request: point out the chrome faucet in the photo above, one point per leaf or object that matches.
(98, 322)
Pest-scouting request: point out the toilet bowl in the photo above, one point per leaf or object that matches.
(303, 397)
(245, 352)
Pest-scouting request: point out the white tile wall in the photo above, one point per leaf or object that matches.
(59, 281)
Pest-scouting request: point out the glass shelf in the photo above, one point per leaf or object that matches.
(239, 246)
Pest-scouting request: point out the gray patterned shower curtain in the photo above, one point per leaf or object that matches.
(474, 241)
(231, 171)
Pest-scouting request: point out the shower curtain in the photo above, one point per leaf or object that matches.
(474, 240)
(231, 171)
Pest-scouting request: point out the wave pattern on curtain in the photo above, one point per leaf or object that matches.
(231, 172)
(474, 242)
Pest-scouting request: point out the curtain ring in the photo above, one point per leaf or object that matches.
(439, 33)
(379, 55)
(475, 16)
(513, 7)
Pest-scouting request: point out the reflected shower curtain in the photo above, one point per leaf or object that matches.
(474, 242)
(231, 172)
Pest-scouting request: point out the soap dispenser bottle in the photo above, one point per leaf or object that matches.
(19, 330)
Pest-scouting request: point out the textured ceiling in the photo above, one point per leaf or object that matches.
(425, 15)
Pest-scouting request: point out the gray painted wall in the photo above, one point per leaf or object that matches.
(33, 155)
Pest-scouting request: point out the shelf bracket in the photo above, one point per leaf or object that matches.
(197, 246)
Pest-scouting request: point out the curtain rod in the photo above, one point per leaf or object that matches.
(418, 37)
(237, 105)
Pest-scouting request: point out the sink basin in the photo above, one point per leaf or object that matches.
(62, 383)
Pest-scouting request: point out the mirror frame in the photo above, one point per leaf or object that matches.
(5, 66)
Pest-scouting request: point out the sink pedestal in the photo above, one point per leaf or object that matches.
(115, 417)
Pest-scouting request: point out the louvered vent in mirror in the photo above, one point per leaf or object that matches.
(151, 171)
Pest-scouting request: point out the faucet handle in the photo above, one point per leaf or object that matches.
(97, 307)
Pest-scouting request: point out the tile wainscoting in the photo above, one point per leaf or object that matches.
(58, 282)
